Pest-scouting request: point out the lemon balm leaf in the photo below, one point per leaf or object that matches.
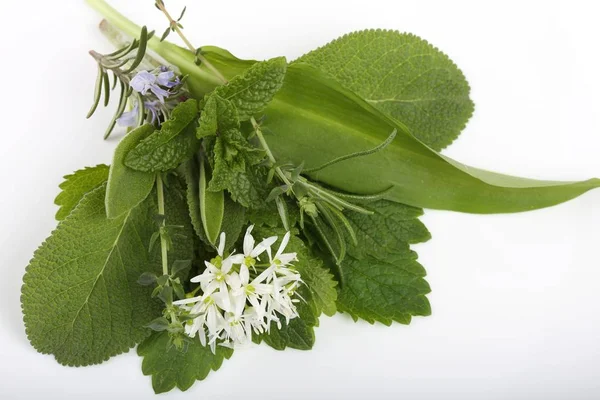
(76, 185)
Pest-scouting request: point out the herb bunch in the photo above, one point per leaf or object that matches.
(328, 159)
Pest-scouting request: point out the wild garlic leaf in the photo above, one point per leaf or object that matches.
(127, 187)
(403, 76)
(81, 300)
(393, 226)
(174, 143)
(76, 185)
(386, 289)
(171, 368)
(251, 91)
(382, 280)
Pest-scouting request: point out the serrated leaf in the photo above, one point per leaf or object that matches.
(298, 333)
(171, 367)
(208, 122)
(81, 300)
(251, 91)
(76, 185)
(392, 227)
(382, 280)
(127, 187)
(174, 143)
(392, 289)
(404, 76)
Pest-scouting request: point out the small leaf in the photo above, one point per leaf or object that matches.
(179, 266)
(173, 368)
(127, 187)
(174, 144)
(251, 91)
(76, 185)
(147, 279)
(159, 324)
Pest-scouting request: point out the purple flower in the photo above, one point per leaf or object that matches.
(164, 79)
(144, 81)
(153, 107)
(129, 118)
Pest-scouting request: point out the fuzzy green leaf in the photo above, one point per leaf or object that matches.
(212, 206)
(401, 75)
(127, 187)
(251, 91)
(76, 185)
(171, 367)
(173, 144)
(81, 298)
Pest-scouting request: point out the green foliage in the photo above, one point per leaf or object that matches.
(212, 206)
(251, 91)
(392, 227)
(401, 75)
(234, 160)
(76, 185)
(386, 289)
(382, 280)
(173, 144)
(80, 297)
(171, 367)
(127, 187)
(298, 333)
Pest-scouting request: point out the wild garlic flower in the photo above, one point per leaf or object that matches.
(241, 295)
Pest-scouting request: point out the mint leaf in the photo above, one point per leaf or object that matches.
(127, 187)
(171, 368)
(298, 333)
(81, 300)
(251, 91)
(404, 76)
(218, 114)
(392, 227)
(382, 280)
(173, 144)
(384, 290)
(76, 185)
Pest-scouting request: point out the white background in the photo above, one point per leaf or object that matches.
(516, 299)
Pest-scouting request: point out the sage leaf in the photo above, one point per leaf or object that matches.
(76, 185)
(170, 146)
(170, 367)
(127, 187)
(403, 76)
(81, 298)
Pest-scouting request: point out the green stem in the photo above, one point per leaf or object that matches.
(170, 52)
(267, 149)
(161, 211)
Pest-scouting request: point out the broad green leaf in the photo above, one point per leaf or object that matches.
(172, 368)
(251, 91)
(404, 76)
(127, 187)
(297, 334)
(76, 185)
(388, 289)
(81, 300)
(170, 146)
(212, 207)
(393, 226)
(234, 220)
(381, 278)
(315, 119)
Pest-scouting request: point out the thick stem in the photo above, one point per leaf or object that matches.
(161, 211)
(170, 52)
